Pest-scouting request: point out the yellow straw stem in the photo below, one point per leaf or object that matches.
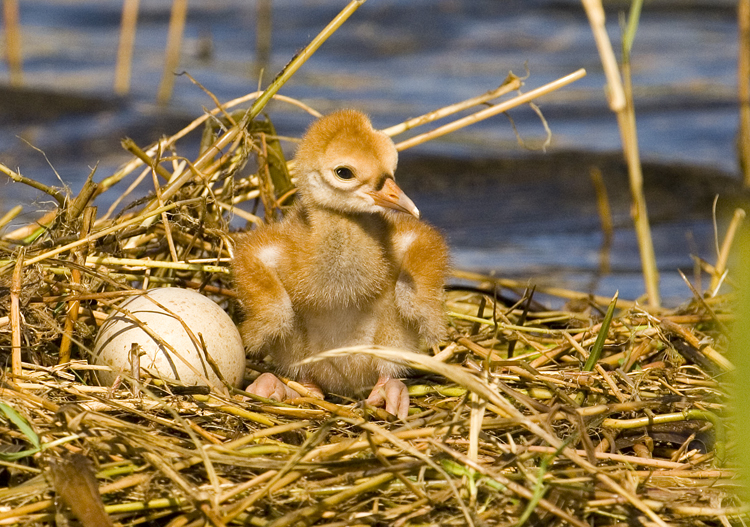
(492, 110)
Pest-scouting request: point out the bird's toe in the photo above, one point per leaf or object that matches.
(393, 394)
(271, 387)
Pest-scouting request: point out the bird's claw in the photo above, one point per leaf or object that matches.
(271, 387)
(393, 394)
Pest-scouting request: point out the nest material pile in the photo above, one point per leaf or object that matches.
(523, 415)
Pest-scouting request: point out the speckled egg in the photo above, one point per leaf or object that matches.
(161, 322)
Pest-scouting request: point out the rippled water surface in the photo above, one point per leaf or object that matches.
(504, 209)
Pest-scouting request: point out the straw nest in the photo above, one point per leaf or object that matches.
(522, 415)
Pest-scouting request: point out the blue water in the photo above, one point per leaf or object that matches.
(397, 59)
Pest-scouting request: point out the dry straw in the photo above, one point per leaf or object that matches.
(490, 439)
(621, 103)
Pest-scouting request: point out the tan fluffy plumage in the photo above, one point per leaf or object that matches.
(343, 268)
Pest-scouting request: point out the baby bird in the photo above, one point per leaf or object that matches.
(350, 264)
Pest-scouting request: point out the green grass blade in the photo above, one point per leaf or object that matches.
(15, 456)
(22, 424)
(596, 350)
(628, 37)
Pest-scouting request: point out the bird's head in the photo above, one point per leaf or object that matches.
(344, 164)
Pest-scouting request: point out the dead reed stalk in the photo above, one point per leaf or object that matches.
(743, 86)
(621, 103)
(174, 47)
(123, 66)
(14, 56)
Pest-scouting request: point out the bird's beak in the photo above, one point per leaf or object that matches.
(392, 197)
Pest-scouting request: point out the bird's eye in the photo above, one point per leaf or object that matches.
(344, 173)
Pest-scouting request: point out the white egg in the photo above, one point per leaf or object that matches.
(171, 314)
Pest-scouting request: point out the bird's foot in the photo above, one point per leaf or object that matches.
(271, 387)
(308, 389)
(393, 394)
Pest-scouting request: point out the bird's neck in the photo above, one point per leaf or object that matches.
(348, 258)
(326, 222)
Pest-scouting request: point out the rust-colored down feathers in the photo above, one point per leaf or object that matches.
(343, 268)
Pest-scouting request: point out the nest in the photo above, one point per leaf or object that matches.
(584, 416)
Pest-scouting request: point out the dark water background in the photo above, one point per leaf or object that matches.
(518, 213)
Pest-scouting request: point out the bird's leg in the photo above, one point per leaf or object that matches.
(393, 394)
(271, 387)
